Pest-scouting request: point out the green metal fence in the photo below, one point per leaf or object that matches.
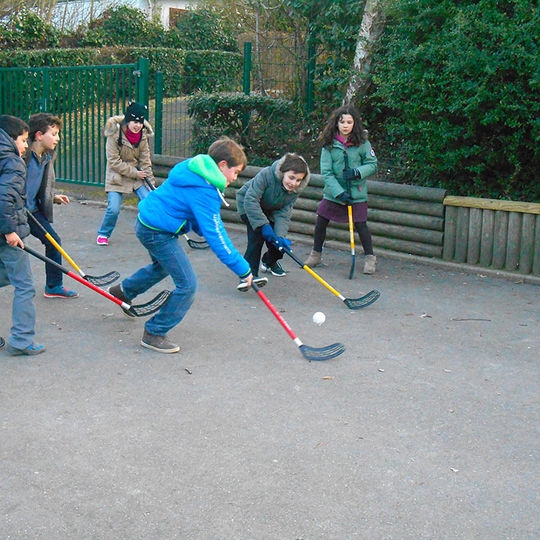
(83, 97)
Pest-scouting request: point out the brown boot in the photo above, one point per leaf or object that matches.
(370, 264)
(158, 343)
(314, 259)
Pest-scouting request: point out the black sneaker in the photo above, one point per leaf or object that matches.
(2, 342)
(158, 343)
(259, 281)
(118, 292)
(275, 270)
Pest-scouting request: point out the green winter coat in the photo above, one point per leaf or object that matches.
(333, 163)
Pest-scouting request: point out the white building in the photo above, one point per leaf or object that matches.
(72, 13)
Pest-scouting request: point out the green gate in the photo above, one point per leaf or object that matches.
(83, 97)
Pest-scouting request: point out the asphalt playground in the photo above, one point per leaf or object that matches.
(427, 427)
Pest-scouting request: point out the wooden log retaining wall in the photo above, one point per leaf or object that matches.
(504, 235)
(402, 218)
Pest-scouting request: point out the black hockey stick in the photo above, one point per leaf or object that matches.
(103, 280)
(139, 310)
(309, 353)
(191, 243)
(351, 303)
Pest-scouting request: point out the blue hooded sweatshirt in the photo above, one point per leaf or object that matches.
(190, 198)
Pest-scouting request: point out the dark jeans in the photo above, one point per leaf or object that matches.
(361, 229)
(53, 275)
(254, 247)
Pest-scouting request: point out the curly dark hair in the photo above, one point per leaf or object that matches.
(331, 128)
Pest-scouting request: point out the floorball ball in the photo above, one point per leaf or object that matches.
(319, 317)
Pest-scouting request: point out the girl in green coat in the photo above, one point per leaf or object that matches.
(347, 159)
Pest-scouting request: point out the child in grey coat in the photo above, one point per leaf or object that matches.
(265, 205)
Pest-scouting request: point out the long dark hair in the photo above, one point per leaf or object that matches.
(331, 128)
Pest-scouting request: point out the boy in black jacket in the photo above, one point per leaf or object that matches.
(14, 263)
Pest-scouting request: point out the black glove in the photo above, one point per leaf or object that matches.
(351, 174)
(345, 198)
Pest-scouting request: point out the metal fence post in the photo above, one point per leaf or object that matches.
(142, 87)
(247, 81)
(158, 116)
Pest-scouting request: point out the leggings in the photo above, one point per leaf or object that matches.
(361, 229)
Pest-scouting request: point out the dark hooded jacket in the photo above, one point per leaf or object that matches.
(263, 198)
(12, 190)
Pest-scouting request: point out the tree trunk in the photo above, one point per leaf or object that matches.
(370, 31)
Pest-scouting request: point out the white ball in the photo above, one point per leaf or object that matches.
(319, 317)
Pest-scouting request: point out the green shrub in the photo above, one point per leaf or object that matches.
(27, 30)
(169, 61)
(457, 96)
(259, 123)
(203, 28)
(209, 71)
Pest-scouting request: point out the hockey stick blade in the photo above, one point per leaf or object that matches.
(351, 303)
(103, 280)
(319, 354)
(353, 261)
(363, 301)
(142, 310)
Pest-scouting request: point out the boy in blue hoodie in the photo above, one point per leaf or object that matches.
(190, 199)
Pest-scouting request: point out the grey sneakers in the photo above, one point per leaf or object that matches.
(158, 343)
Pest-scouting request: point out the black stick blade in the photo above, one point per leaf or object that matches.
(194, 244)
(154, 305)
(322, 353)
(363, 301)
(103, 280)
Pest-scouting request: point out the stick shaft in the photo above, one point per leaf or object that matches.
(55, 244)
(351, 228)
(276, 314)
(76, 277)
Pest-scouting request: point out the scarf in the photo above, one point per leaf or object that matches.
(345, 142)
(133, 138)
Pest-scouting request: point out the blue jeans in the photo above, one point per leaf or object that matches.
(54, 277)
(15, 270)
(168, 258)
(113, 210)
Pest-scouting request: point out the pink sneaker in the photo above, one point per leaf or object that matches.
(102, 241)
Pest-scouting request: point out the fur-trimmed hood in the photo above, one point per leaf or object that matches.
(112, 126)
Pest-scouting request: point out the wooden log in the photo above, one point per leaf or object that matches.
(407, 233)
(450, 227)
(166, 161)
(512, 241)
(159, 170)
(493, 204)
(500, 232)
(462, 234)
(402, 218)
(526, 250)
(475, 236)
(406, 205)
(405, 191)
(486, 243)
(536, 259)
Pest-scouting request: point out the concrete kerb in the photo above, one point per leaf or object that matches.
(405, 257)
